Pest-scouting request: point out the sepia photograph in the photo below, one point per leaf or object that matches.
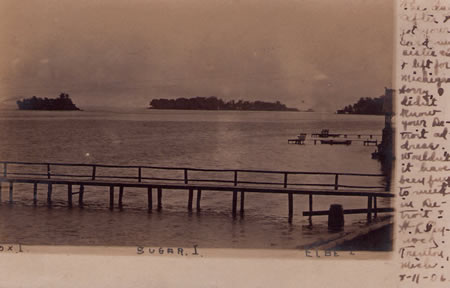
(236, 124)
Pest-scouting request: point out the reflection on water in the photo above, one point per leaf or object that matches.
(199, 139)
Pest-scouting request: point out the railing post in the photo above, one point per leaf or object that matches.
(185, 176)
(159, 190)
(48, 171)
(235, 177)
(5, 169)
(336, 182)
(94, 167)
(80, 196)
(285, 179)
(291, 206)
(139, 174)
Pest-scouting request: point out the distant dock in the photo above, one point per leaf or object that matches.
(77, 176)
(324, 137)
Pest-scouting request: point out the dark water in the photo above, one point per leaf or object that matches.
(198, 139)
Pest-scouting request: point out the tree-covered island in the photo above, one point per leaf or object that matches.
(34, 103)
(370, 106)
(214, 103)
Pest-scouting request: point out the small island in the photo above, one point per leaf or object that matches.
(35, 103)
(368, 106)
(214, 103)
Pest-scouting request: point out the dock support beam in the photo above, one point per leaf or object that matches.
(159, 198)
(69, 195)
(149, 199)
(310, 209)
(49, 194)
(199, 197)
(234, 203)
(120, 197)
(291, 206)
(242, 203)
(111, 197)
(80, 196)
(369, 209)
(191, 196)
(11, 192)
(375, 206)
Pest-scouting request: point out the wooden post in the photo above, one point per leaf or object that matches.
(93, 171)
(369, 209)
(48, 171)
(191, 196)
(336, 182)
(49, 194)
(159, 198)
(235, 177)
(375, 206)
(234, 203)
(69, 195)
(35, 194)
(291, 206)
(242, 203)
(199, 197)
(120, 197)
(336, 217)
(185, 176)
(111, 197)
(149, 198)
(5, 169)
(80, 196)
(139, 174)
(1, 192)
(11, 192)
(310, 208)
(285, 179)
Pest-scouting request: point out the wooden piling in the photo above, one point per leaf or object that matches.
(199, 197)
(49, 194)
(111, 197)
(11, 192)
(234, 203)
(80, 196)
(242, 203)
(120, 197)
(291, 206)
(69, 194)
(159, 198)
(149, 199)
(310, 209)
(374, 206)
(369, 209)
(191, 196)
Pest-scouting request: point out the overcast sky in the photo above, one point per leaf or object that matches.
(305, 53)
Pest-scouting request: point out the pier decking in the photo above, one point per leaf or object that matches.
(47, 174)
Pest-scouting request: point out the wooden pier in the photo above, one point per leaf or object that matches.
(46, 174)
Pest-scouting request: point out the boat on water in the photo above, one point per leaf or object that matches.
(336, 142)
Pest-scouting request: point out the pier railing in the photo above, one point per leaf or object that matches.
(135, 176)
(138, 173)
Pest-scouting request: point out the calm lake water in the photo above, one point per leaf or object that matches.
(197, 139)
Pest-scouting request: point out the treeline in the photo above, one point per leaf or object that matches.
(214, 103)
(372, 106)
(35, 103)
